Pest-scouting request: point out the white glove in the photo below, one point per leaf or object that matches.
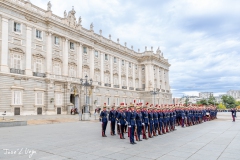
(153, 123)
(143, 124)
(119, 124)
(126, 123)
(129, 126)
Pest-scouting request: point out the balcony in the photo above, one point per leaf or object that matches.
(167, 91)
(124, 87)
(139, 89)
(37, 74)
(131, 88)
(107, 85)
(99, 83)
(116, 86)
(162, 90)
(17, 71)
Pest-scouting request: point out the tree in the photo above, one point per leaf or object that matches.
(203, 102)
(229, 101)
(221, 106)
(237, 104)
(212, 100)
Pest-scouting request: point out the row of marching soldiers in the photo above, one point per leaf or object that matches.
(150, 121)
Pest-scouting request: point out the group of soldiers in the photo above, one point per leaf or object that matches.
(149, 121)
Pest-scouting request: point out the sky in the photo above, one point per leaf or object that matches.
(200, 38)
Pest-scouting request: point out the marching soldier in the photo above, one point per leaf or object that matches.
(104, 120)
(233, 110)
(155, 120)
(151, 123)
(112, 118)
(160, 119)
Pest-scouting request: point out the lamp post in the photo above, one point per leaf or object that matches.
(154, 92)
(86, 83)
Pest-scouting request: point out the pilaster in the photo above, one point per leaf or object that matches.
(111, 70)
(28, 69)
(133, 72)
(79, 60)
(91, 63)
(140, 76)
(65, 58)
(127, 66)
(102, 68)
(119, 73)
(4, 51)
(49, 53)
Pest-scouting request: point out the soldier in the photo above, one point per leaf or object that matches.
(151, 122)
(103, 119)
(155, 120)
(160, 121)
(164, 120)
(145, 121)
(132, 123)
(121, 118)
(112, 118)
(139, 120)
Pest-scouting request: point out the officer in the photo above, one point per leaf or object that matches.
(112, 118)
(103, 119)
(139, 120)
(121, 119)
(132, 123)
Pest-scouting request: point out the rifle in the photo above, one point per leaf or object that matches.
(149, 133)
(144, 132)
(121, 132)
(135, 133)
(154, 133)
(159, 130)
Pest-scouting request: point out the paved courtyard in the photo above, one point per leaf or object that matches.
(219, 139)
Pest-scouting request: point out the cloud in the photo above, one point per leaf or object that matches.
(201, 39)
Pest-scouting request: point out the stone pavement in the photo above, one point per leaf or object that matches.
(212, 140)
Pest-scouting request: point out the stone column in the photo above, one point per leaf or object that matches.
(163, 79)
(111, 70)
(119, 73)
(127, 66)
(28, 69)
(102, 68)
(79, 60)
(167, 80)
(49, 53)
(158, 78)
(147, 77)
(140, 76)
(133, 77)
(4, 51)
(91, 63)
(65, 58)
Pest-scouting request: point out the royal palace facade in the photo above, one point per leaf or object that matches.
(43, 58)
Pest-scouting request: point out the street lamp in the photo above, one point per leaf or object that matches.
(86, 83)
(154, 92)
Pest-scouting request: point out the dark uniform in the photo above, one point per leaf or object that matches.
(132, 124)
(112, 118)
(121, 118)
(104, 120)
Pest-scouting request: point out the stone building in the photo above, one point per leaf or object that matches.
(44, 56)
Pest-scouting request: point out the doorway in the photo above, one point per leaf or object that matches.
(75, 101)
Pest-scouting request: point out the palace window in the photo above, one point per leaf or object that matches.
(38, 34)
(72, 45)
(85, 50)
(56, 40)
(106, 57)
(38, 66)
(16, 61)
(136, 67)
(115, 60)
(17, 27)
(130, 64)
(115, 81)
(57, 69)
(39, 98)
(17, 98)
(123, 62)
(96, 53)
(58, 99)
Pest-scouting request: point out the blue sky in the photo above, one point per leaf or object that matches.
(201, 38)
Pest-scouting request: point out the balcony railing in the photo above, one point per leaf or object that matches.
(116, 86)
(99, 83)
(124, 87)
(17, 71)
(37, 74)
(107, 85)
(139, 89)
(131, 88)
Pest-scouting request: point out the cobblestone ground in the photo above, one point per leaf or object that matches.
(218, 139)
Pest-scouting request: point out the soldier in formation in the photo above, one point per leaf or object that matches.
(151, 121)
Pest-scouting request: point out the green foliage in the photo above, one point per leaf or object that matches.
(221, 106)
(203, 102)
(229, 101)
(237, 103)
